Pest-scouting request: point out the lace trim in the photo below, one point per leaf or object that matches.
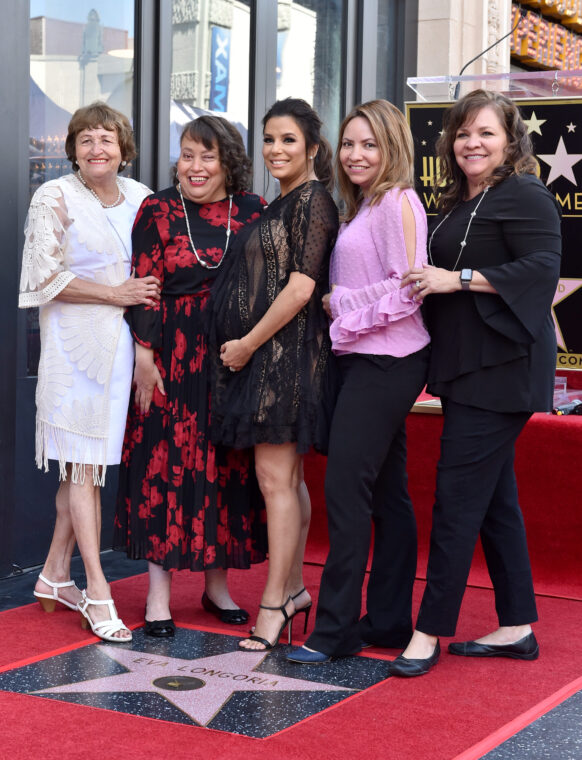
(41, 297)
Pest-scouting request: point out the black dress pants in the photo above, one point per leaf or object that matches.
(476, 495)
(366, 480)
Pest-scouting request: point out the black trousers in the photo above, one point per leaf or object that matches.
(366, 480)
(476, 495)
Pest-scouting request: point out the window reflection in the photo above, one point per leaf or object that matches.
(309, 56)
(80, 52)
(210, 64)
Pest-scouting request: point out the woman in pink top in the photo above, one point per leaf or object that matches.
(382, 347)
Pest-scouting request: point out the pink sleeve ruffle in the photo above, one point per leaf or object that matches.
(351, 319)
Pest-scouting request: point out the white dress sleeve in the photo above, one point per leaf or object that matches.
(43, 267)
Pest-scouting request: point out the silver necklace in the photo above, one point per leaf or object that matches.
(464, 240)
(199, 260)
(94, 194)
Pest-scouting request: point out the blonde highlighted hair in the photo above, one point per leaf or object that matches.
(394, 140)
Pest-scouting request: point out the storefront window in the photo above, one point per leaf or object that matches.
(309, 57)
(80, 52)
(210, 64)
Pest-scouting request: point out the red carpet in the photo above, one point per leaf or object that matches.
(459, 704)
(547, 467)
(460, 711)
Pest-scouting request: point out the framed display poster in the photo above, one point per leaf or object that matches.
(555, 127)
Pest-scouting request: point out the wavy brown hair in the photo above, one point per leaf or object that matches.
(394, 141)
(96, 115)
(217, 131)
(519, 158)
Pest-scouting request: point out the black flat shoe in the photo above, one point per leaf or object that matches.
(406, 668)
(160, 629)
(524, 649)
(234, 617)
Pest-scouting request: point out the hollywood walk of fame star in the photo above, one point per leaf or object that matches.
(561, 163)
(571, 127)
(199, 688)
(534, 124)
(565, 288)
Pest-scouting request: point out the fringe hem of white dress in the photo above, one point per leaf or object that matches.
(81, 452)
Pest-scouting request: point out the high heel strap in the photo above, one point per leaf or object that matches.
(105, 629)
(54, 584)
(288, 620)
(280, 609)
(48, 601)
(294, 597)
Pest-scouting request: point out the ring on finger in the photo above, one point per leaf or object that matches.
(418, 284)
(232, 369)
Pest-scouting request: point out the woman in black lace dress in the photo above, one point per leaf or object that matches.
(182, 502)
(272, 334)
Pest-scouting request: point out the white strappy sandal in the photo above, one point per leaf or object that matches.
(105, 629)
(48, 601)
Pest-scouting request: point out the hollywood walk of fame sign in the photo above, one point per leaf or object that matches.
(555, 128)
(198, 679)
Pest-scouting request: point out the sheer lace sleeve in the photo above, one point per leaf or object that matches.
(44, 274)
(146, 322)
(314, 229)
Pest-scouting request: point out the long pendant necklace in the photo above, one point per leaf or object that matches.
(464, 240)
(94, 194)
(198, 259)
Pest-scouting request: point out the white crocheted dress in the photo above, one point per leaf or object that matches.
(86, 360)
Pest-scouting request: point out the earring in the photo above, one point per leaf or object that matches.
(124, 163)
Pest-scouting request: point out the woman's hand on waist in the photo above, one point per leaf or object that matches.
(137, 290)
(428, 279)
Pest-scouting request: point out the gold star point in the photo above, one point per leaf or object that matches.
(534, 124)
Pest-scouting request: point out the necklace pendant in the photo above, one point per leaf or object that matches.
(198, 259)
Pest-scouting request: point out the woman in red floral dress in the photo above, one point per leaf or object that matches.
(183, 502)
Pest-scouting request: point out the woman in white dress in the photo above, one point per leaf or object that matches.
(76, 269)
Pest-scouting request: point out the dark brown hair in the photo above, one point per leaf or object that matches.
(310, 125)
(97, 115)
(519, 159)
(217, 131)
(394, 141)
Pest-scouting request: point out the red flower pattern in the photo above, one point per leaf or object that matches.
(182, 502)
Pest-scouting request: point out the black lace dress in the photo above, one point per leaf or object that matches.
(274, 398)
(182, 501)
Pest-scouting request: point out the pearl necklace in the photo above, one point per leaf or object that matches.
(204, 263)
(94, 194)
(464, 240)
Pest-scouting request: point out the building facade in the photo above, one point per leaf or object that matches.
(163, 62)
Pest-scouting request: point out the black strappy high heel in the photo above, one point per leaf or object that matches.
(267, 644)
(302, 611)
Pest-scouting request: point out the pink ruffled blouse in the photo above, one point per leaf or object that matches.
(371, 313)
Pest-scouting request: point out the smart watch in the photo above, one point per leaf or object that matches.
(466, 277)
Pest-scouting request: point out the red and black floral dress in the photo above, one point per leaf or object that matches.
(183, 502)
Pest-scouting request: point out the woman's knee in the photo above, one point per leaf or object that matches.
(276, 474)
